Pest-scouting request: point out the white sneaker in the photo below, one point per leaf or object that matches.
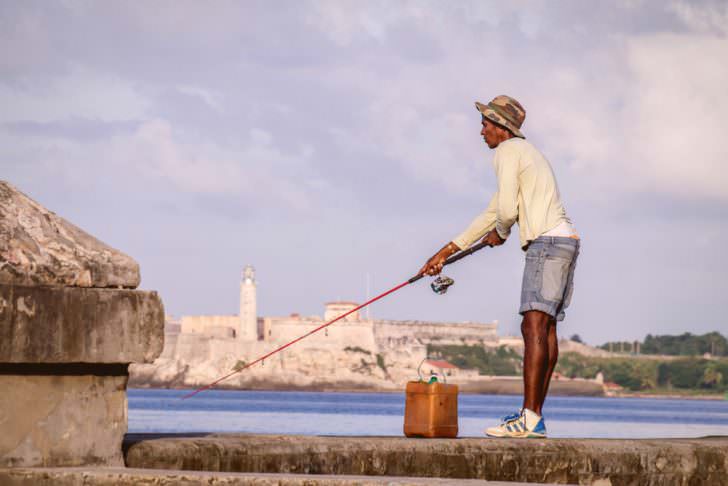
(517, 427)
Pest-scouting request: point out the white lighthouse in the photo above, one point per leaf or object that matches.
(248, 311)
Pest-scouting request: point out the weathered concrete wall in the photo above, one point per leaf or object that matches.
(37, 247)
(576, 461)
(62, 420)
(79, 325)
(343, 333)
(68, 331)
(64, 353)
(436, 332)
(133, 477)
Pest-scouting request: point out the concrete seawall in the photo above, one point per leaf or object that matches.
(134, 477)
(571, 461)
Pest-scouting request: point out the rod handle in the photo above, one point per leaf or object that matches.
(453, 258)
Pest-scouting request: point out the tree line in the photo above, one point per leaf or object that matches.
(685, 344)
(685, 373)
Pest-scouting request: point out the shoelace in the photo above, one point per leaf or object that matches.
(511, 417)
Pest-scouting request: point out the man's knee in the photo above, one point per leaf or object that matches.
(535, 325)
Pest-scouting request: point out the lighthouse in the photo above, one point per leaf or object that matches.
(248, 312)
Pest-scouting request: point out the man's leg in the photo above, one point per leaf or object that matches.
(553, 346)
(535, 330)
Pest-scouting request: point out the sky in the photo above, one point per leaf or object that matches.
(335, 147)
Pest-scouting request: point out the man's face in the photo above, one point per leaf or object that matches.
(490, 133)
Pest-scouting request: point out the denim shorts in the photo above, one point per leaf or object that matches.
(548, 278)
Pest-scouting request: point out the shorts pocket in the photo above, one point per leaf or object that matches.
(554, 276)
(532, 273)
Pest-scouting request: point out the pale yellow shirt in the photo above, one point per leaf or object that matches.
(527, 192)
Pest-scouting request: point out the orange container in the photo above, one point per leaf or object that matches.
(431, 410)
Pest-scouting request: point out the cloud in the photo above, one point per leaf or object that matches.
(346, 23)
(82, 92)
(705, 17)
(254, 171)
(352, 125)
(674, 114)
(649, 121)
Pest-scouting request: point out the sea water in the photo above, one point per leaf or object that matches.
(381, 414)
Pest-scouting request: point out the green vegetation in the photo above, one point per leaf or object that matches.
(686, 344)
(502, 361)
(380, 362)
(683, 374)
(694, 373)
(357, 349)
(633, 374)
(650, 374)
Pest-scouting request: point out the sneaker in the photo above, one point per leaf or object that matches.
(516, 427)
(512, 416)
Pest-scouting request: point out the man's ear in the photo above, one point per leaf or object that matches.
(503, 133)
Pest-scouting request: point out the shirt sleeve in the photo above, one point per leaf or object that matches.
(482, 223)
(506, 168)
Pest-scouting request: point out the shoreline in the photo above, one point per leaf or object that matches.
(360, 389)
(670, 396)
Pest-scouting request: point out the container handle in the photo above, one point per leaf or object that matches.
(442, 372)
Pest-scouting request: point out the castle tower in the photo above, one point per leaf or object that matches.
(248, 310)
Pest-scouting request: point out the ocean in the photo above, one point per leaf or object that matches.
(381, 414)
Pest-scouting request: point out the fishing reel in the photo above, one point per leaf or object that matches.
(441, 284)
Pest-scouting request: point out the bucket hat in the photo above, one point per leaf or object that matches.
(504, 111)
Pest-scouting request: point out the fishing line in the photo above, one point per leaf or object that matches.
(237, 370)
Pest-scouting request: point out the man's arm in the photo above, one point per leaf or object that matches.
(506, 168)
(482, 224)
(494, 224)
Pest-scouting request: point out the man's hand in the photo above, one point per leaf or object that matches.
(437, 261)
(493, 238)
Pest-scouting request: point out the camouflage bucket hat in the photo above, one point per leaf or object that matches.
(506, 112)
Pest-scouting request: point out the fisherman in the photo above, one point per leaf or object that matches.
(527, 192)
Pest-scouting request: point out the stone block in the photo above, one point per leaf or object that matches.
(37, 247)
(572, 461)
(69, 327)
(79, 325)
(134, 477)
(64, 355)
(63, 420)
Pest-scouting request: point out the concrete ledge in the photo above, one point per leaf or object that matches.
(62, 420)
(633, 462)
(79, 325)
(124, 477)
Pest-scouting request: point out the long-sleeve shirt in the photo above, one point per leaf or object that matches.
(527, 192)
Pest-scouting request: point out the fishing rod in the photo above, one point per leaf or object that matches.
(440, 286)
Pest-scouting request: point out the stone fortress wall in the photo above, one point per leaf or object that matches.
(353, 352)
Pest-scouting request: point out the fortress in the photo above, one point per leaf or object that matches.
(355, 350)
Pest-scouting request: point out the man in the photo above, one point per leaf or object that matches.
(527, 191)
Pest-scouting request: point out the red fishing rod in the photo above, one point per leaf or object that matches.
(448, 261)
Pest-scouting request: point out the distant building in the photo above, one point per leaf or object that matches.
(245, 334)
(438, 367)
